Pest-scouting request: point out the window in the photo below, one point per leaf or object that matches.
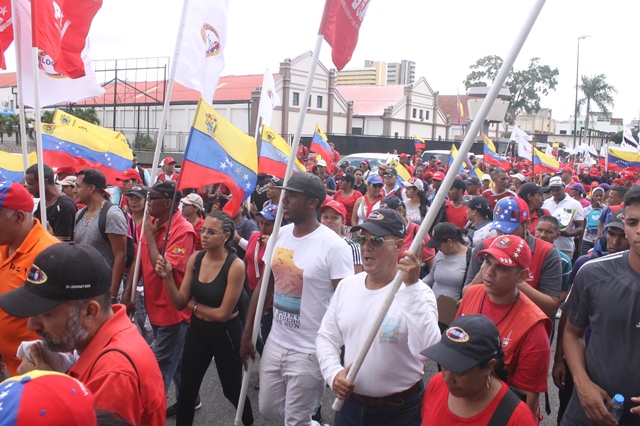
(414, 113)
(296, 98)
(563, 132)
(319, 102)
(309, 103)
(421, 115)
(426, 115)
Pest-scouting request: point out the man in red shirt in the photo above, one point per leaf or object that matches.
(128, 178)
(532, 195)
(455, 212)
(67, 299)
(524, 328)
(499, 191)
(169, 325)
(168, 166)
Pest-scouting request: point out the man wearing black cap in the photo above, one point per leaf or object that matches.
(91, 189)
(391, 187)
(473, 188)
(308, 261)
(411, 324)
(67, 299)
(169, 325)
(532, 194)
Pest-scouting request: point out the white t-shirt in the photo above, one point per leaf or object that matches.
(303, 269)
(393, 363)
(562, 211)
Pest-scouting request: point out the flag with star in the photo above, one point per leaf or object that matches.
(218, 152)
(80, 147)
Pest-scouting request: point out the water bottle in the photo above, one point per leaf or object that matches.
(615, 406)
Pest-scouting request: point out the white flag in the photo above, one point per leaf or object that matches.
(548, 150)
(587, 159)
(54, 88)
(201, 52)
(269, 98)
(523, 140)
(626, 134)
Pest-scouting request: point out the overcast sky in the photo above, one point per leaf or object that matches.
(442, 37)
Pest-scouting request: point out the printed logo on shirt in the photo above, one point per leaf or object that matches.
(288, 288)
(507, 340)
(178, 251)
(389, 330)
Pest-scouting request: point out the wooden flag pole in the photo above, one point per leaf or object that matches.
(276, 229)
(446, 184)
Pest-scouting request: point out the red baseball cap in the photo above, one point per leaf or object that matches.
(168, 160)
(438, 176)
(628, 175)
(567, 169)
(403, 155)
(14, 196)
(593, 172)
(509, 250)
(427, 175)
(617, 181)
(335, 205)
(130, 174)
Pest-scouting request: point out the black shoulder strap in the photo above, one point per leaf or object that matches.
(82, 213)
(199, 257)
(102, 219)
(126, 355)
(505, 409)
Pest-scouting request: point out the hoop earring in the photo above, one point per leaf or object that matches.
(489, 381)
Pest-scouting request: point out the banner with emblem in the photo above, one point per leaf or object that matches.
(6, 30)
(269, 98)
(201, 49)
(54, 87)
(219, 152)
(340, 27)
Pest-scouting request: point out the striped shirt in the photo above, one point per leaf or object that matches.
(355, 251)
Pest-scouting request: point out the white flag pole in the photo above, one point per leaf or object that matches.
(446, 184)
(23, 124)
(38, 132)
(276, 227)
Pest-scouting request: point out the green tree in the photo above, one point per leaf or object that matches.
(526, 86)
(596, 90)
(10, 125)
(47, 116)
(87, 114)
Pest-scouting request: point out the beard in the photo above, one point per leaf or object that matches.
(75, 334)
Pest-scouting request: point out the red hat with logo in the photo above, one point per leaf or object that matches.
(130, 174)
(509, 250)
(626, 175)
(167, 160)
(593, 172)
(567, 169)
(617, 181)
(14, 196)
(438, 176)
(335, 205)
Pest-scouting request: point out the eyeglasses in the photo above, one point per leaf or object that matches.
(209, 232)
(375, 241)
(387, 176)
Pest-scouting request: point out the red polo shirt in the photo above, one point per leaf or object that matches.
(131, 388)
(180, 246)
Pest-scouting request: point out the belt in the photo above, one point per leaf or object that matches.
(393, 401)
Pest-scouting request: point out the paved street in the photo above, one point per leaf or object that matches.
(216, 410)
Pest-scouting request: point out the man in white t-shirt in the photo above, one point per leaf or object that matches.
(308, 262)
(389, 387)
(568, 212)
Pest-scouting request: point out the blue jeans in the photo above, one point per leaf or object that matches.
(168, 345)
(354, 413)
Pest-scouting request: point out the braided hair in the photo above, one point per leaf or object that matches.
(227, 226)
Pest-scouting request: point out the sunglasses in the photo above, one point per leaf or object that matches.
(375, 241)
(209, 232)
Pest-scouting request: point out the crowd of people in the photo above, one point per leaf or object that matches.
(511, 258)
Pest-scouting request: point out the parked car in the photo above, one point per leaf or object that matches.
(374, 159)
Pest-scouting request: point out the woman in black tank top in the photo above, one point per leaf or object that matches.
(212, 288)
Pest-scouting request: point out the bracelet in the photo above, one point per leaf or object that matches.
(195, 308)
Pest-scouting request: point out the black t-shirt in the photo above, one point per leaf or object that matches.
(606, 297)
(61, 216)
(259, 196)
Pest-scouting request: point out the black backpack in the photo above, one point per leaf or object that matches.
(102, 226)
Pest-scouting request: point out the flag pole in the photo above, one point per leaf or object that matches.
(38, 132)
(21, 116)
(276, 227)
(446, 184)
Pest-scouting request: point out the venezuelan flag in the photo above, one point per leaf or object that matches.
(419, 143)
(65, 145)
(490, 157)
(454, 154)
(218, 152)
(476, 172)
(63, 117)
(320, 145)
(488, 142)
(403, 174)
(274, 154)
(544, 162)
(11, 166)
(623, 160)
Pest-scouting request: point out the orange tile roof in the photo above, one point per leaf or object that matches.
(447, 104)
(371, 100)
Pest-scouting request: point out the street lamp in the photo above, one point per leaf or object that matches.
(575, 115)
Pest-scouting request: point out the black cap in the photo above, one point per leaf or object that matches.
(442, 232)
(390, 171)
(459, 184)
(93, 177)
(616, 220)
(60, 272)
(479, 203)
(382, 222)
(307, 183)
(390, 202)
(164, 188)
(473, 180)
(469, 340)
(138, 191)
(530, 188)
(276, 181)
(347, 177)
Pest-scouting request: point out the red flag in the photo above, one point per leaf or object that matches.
(340, 25)
(6, 29)
(60, 29)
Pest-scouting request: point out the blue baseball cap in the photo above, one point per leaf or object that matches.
(509, 213)
(269, 212)
(375, 179)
